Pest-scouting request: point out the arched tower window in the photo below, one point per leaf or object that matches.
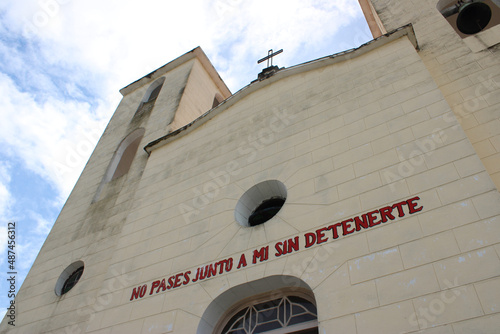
(150, 96)
(122, 159)
(126, 153)
(154, 94)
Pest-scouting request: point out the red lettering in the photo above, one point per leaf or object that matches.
(135, 293)
(345, 227)
(211, 270)
(229, 264)
(320, 235)
(261, 254)
(293, 244)
(170, 282)
(242, 262)
(197, 277)
(186, 277)
(360, 223)
(203, 273)
(154, 285)
(139, 292)
(221, 265)
(334, 230)
(371, 218)
(310, 239)
(178, 280)
(163, 286)
(413, 206)
(286, 246)
(143, 290)
(400, 208)
(279, 250)
(386, 213)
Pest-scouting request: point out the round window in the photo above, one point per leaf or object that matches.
(260, 203)
(69, 277)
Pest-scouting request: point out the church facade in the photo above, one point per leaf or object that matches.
(355, 193)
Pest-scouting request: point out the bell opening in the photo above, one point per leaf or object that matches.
(473, 17)
(265, 211)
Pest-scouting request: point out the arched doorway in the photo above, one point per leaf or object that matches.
(274, 304)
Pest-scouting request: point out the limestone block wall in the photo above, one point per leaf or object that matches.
(346, 139)
(470, 81)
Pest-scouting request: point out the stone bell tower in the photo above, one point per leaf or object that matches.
(93, 217)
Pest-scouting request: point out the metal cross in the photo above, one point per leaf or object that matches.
(270, 56)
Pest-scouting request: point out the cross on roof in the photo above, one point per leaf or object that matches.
(270, 56)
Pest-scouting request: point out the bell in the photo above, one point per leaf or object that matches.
(473, 17)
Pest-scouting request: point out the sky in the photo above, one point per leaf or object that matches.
(63, 62)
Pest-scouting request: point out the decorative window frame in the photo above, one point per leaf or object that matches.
(270, 296)
(221, 306)
(65, 275)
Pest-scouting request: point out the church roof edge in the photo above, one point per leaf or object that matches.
(389, 37)
(194, 53)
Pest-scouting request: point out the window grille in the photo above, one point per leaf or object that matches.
(283, 315)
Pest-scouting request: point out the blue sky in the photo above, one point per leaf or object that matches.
(62, 63)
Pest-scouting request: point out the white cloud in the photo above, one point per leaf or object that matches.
(54, 139)
(3, 244)
(5, 205)
(26, 254)
(127, 39)
(5, 197)
(43, 225)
